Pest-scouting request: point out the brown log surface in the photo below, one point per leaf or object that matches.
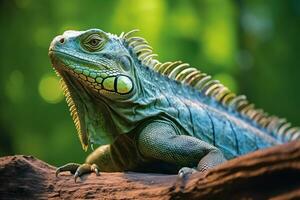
(272, 173)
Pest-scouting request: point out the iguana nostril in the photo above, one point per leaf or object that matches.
(62, 40)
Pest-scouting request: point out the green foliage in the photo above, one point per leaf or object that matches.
(252, 46)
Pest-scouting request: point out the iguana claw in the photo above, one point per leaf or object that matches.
(183, 175)
(95, 169)
(183, 172)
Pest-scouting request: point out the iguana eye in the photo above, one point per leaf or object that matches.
(93, 42)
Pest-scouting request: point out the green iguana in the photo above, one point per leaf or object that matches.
(150, 116)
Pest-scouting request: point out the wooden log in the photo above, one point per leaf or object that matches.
(272, 173)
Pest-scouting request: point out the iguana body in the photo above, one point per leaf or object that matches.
(152, 116)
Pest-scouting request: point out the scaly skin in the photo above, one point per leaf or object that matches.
(152, 117)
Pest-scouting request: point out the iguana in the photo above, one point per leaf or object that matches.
(149, 116)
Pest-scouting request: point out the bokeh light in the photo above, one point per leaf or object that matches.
(49, 89)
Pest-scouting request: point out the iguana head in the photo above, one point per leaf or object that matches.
(97, 59)
(95, 67)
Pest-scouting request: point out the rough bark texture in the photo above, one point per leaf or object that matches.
(272, 173)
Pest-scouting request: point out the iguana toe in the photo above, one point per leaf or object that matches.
(78, 170)
(71, 167)
(86, 168)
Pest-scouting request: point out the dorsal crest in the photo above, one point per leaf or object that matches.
(185, 74)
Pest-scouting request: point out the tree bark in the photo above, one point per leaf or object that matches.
(272, 173)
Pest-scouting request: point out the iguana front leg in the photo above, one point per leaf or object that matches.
(98, 160)
(159, 140)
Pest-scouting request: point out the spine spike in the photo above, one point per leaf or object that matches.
(126, 35)
(202, 81)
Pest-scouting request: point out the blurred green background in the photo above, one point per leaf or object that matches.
(252, 46)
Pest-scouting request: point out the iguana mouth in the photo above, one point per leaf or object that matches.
(90, 64)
